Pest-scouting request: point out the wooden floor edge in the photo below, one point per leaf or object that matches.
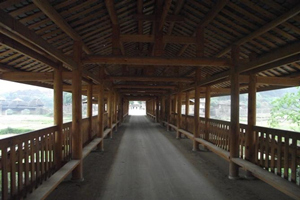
(277, 182)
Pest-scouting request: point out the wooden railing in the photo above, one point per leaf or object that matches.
(105, 120)
(242, 141)
(278, 151)
(26, 161)
(85, 125)
(95, 127)
(67, 142)
(219, 133)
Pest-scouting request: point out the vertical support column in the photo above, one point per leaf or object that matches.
(157, 110)
(163, 109)
(207, 112)
(101, 110)
(169, 113)
(235, 104)
(122, 109)
(58, 114)
(196, 110)
(116, 110)
(90, 109)
(109, 111)
(187, 108)
(179, 117)
(250, 136)
(77, 173)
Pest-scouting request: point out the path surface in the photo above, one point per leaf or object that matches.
(143, 161)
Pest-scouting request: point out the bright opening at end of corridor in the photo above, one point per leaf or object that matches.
(137, 108)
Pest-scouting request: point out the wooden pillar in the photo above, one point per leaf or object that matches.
(90, 109)
(77, 173)
(101, 115)
(187, 108)
(157, 110)
(169, 112)
(250, 136)
(163, 109)
(101, 109)
(235, 104)
(109, 111)
(207, 112)
(122, 109)
(179, 116)
(196, 109)
(116, 110)
(58, 115)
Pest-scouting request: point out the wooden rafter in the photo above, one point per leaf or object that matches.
(267, 27)
(207, 19)
(47, 8)
(145, 86)
(150, 78)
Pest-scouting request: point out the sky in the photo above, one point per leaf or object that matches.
(8, 86)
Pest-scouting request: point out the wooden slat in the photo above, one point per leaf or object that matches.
(27, 76)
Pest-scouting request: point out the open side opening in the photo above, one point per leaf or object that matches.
(137, 107)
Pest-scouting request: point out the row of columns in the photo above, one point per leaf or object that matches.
(170, 106)
(115, 111)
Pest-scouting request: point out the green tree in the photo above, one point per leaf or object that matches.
(286, 108)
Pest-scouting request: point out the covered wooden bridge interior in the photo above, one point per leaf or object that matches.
(162, 52)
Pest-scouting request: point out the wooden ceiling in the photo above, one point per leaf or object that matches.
(151, 47)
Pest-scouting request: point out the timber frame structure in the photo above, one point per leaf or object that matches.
(162, 52)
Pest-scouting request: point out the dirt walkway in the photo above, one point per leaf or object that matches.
(143, 161)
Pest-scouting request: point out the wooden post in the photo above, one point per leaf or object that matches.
(250, 136)
(109, 111)
(90, 109)
(169, 113)
(58, 115)
(77, 173)
(179, 117)
(163, 109)
(235, 104)
(196, 110)
(187, 108)
(207, 112)
(157, 110)
(116, 110)
(101, 110)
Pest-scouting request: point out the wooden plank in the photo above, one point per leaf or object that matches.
(151, 39)
(217, 150)
(146, 86)
(48, 186)
(164, 14)
(156, 61)
(48, 10)
(169, 18)
(277, 182)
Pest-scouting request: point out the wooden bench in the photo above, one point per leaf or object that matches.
(48, 186)
(277, 182)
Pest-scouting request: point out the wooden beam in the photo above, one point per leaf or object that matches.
(111, 11)
(142, 91)
(48, 10)
(101, 110)
(267, 27)
(169, 18)
(146, 86)
(89, 110)
(196, 110)
(207, 112)
(150, 78)
(179, 114)
(164, 14)
(210, 16)
(156, 61)
(27, 76)
(272, 57)
(278, 81)
(140, 23)
(10, 43)
(14, 26)
(151, 39)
